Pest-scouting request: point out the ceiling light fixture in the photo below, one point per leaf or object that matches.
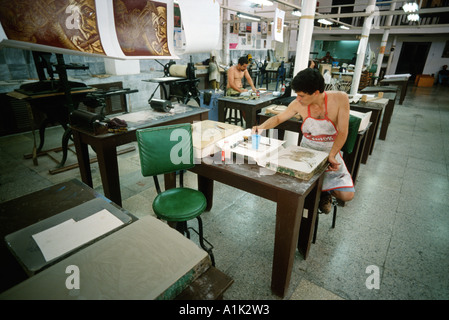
(410, 7)
(413, 17)
(244, 16)
(296, 12)
(344, 27)
(324, 21)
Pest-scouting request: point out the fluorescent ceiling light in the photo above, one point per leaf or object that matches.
(263, 2)
(413, 17)
(344, 27)
(324, 21)
(296, 12)
(410, 7)
(244, 16)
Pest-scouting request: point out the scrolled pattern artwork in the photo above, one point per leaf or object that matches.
(67, 24)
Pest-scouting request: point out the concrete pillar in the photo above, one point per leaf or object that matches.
(225, 37)
(304, 35)
(302, 52)
(383, 43)
(362, 46)
(390, 57)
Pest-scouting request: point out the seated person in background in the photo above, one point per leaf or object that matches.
(235, 76)
(443, 74)
(214, 74)
(327, 58)
(324, 128)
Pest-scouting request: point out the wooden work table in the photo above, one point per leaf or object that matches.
(292, 196)
(376, 107)
(105, 144)
(389, 108)
(399, 81)
(249, 107)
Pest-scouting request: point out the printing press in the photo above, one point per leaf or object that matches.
(58, 98)
(179, 82)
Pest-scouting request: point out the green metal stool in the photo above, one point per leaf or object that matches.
(169, 149)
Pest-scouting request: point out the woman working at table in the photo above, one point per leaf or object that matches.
(325, 128)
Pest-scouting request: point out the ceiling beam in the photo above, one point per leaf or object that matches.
(381, 13)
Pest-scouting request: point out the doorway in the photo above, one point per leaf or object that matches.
(413, 58)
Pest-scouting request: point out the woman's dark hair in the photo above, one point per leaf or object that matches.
(308, 81)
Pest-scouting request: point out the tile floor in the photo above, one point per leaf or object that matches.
(397, 224)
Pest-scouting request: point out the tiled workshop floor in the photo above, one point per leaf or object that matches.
(397, 222)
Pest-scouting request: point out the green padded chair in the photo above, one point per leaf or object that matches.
(169, 149)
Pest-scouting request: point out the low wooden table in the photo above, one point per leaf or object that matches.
(144, 259)
(22, 212)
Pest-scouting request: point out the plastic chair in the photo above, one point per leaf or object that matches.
(169, 149)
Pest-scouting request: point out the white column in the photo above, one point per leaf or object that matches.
(390, 57)
(225, 37)
(302, 52)
(304, 35)
(383, 43)
(362, 47)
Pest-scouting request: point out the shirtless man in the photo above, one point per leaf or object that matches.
(327, 58)
(235, 76)
(325, 128)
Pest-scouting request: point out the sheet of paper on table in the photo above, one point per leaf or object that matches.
(71, 234)
(392, 76)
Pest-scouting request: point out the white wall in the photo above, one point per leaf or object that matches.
(434, 60)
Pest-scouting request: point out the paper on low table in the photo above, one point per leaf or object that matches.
(71, 234)
(144, 260)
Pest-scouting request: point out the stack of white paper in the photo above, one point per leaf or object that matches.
(362, 115)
